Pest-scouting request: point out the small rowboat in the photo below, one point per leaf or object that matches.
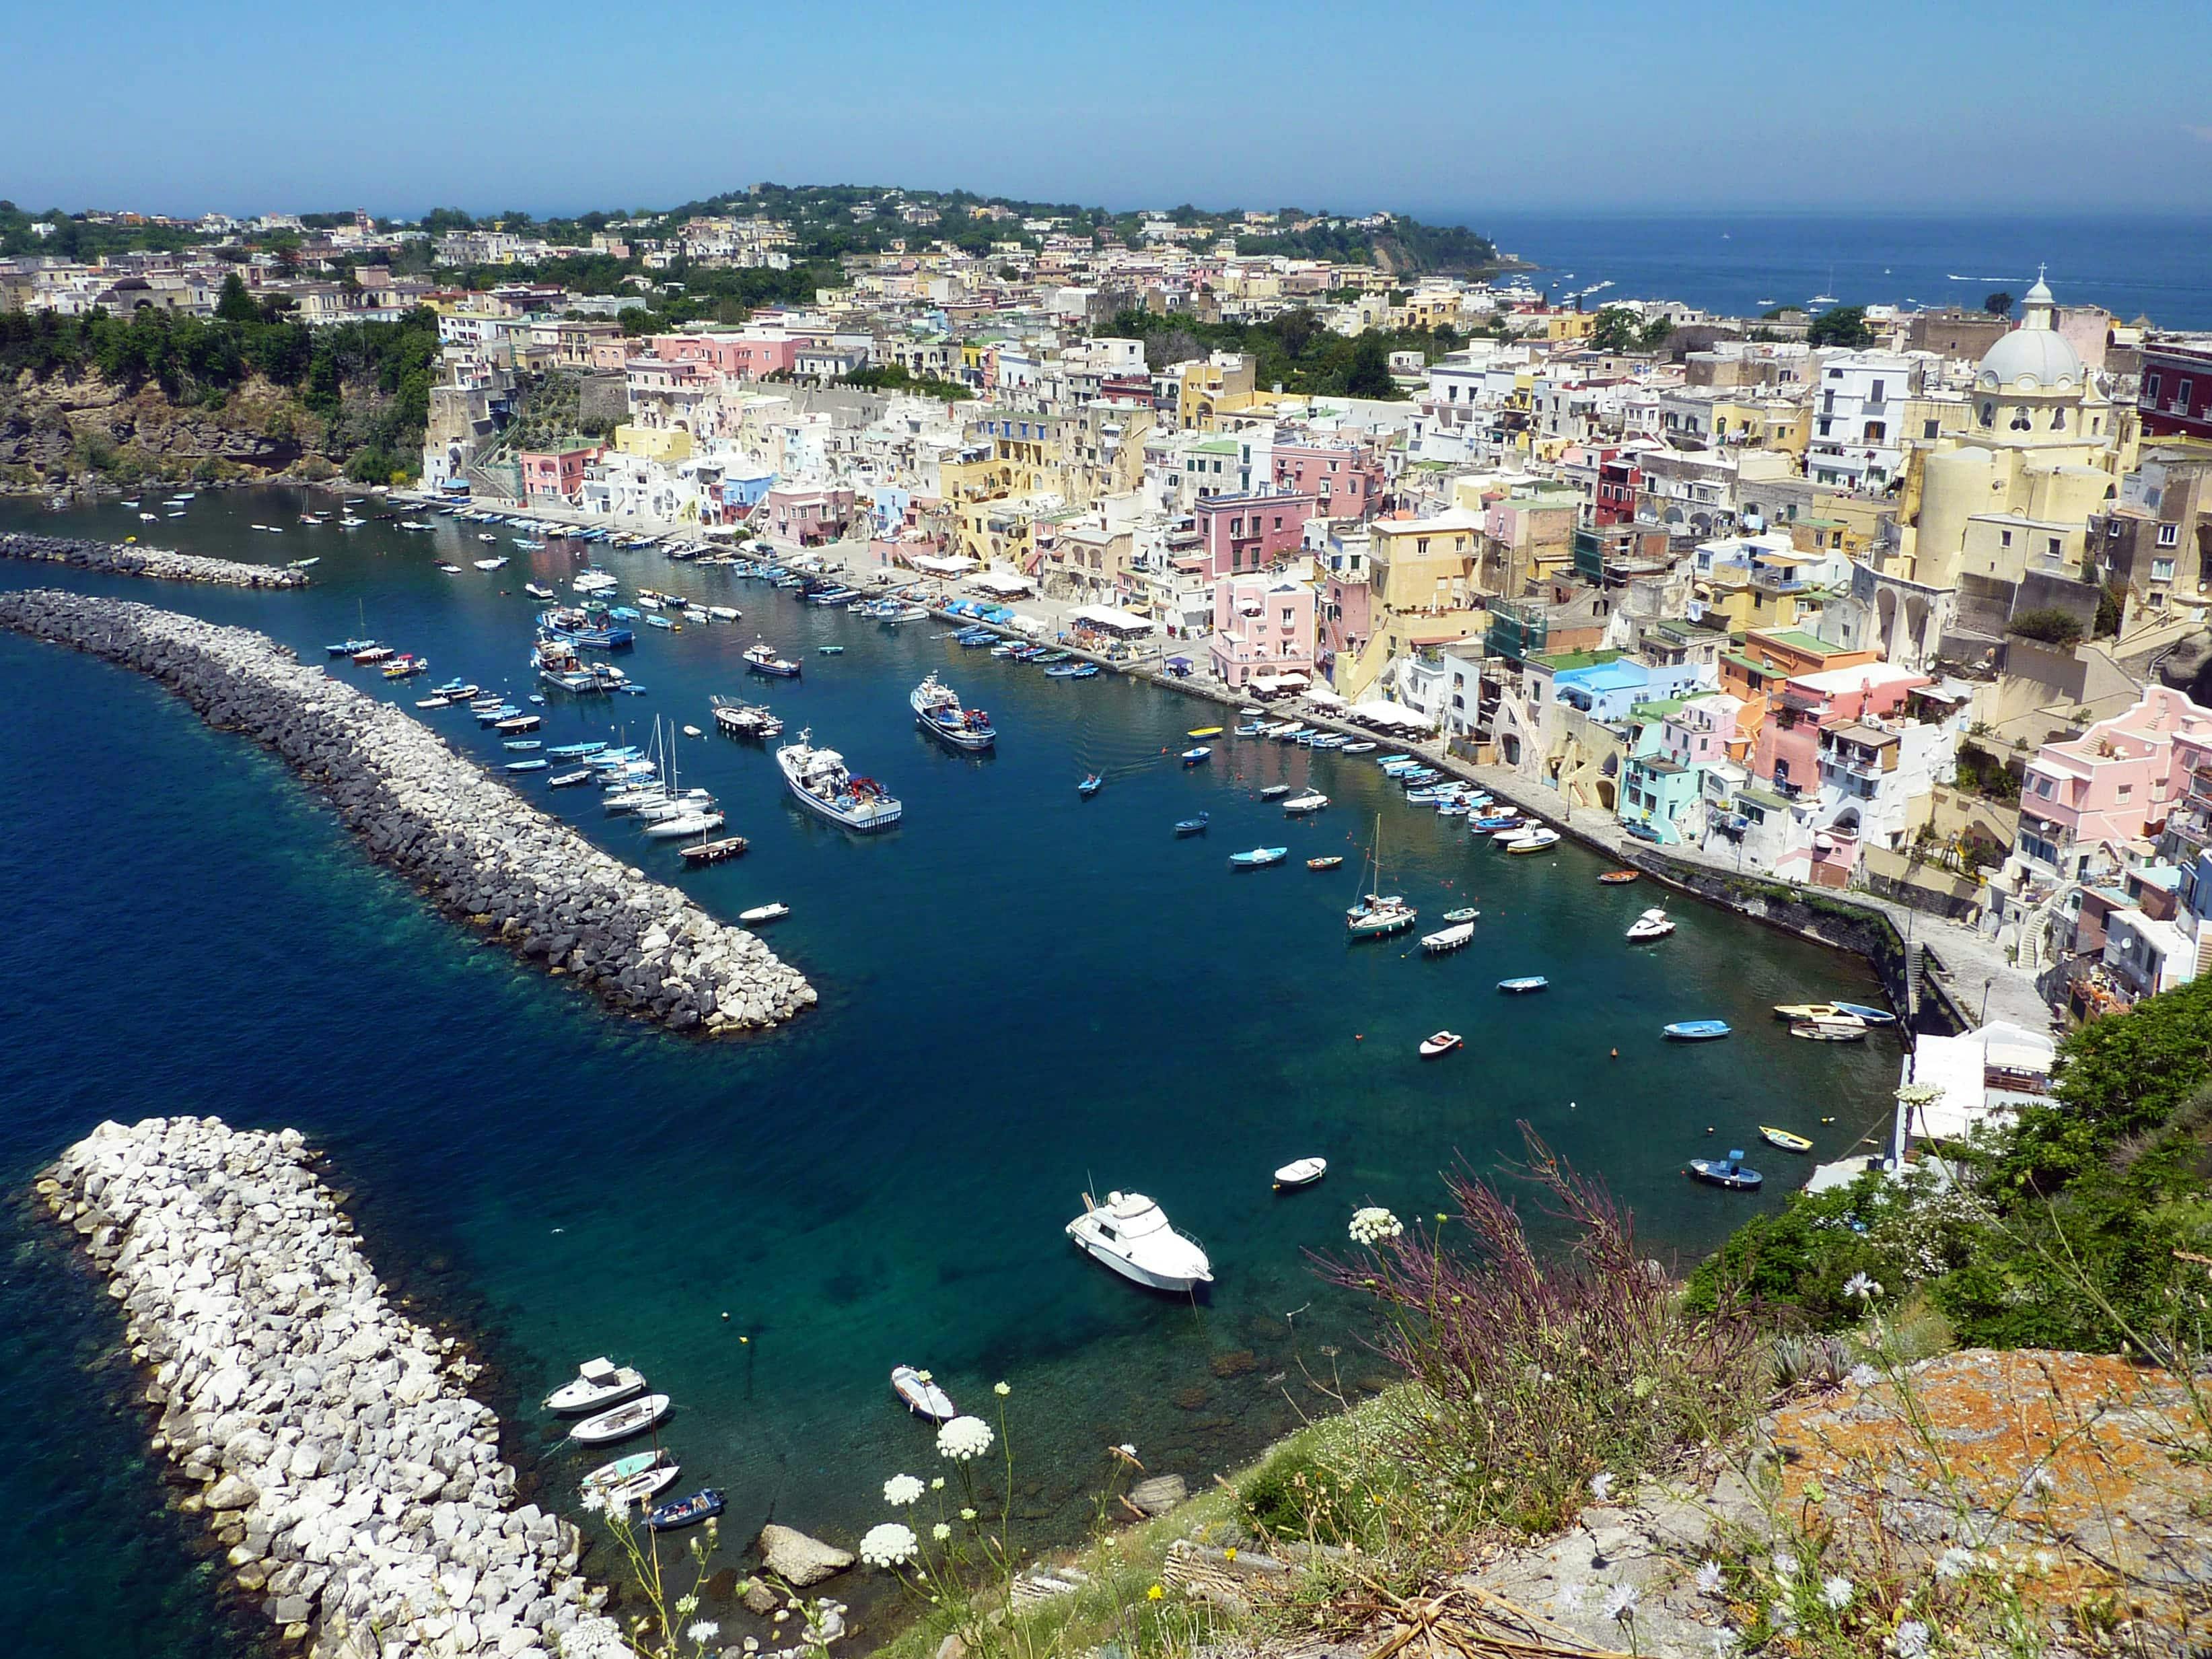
(532, 765)
(641, 1486)
(1300, 1172)
(921, 1395)
(685, 1511)
(1461, 915)
(1329, 863)
(525, 745)
(1695, 1030)
(1193, 826)
(1525, 984)
(1781, 1138)
(1728, 1172)
(1871, 1016)
(1201, 733)
(1450, 938)
(1258, 857)
(1442, 1043)
(609, 1475)
(1090, 786)
(1197, 757)
(622, 1422)
(570, 780)
(1830, 1030)
(1618, 877)
(1808, 1011)
(1275, 792)
(433, 702)
(761, 913)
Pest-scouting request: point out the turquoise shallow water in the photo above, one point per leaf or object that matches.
(1021, 992)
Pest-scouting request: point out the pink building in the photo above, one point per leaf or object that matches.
(1699, 734)
(1788, 752)
(753, 355)
(1262, 627)
(1248, 532)
(809, 517)
(556, 476)
(1344, 483)
(2116, 782)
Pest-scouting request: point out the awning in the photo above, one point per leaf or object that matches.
(1324, 697)
(1396, 715)
(995, 581)
(949, 565)
(1112, 621)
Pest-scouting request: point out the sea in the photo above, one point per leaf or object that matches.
(1743, 264)
(1024, 996)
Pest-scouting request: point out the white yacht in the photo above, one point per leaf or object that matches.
(1132, 1235)
(1652, 924)
(820, 783)
(598, 1383)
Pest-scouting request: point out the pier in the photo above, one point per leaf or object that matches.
(467, 841)
(334, 1447)
(116, 559)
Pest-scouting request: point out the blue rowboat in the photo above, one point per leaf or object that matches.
(576, 751)
(1193, 826)
(534, 765)
(1696, 1031)
(1259, 858)
(1528, 982)
(1090, 786)
(1197, 757)
(686, 1511)
(1871, 1016)
(523, 746)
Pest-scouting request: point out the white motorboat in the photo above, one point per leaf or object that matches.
(487, 564)
(1449, 938)
(1298, 805)
(921, 1396)
(1533, 840)
(761, 913)
(1132, 1235)
(623, 1421)
(1442, 1043)
(1300, 1172)
(598, 1384)
(1652, 924)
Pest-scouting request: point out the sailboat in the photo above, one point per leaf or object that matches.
(1375, 913)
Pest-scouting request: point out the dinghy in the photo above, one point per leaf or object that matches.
(1526, 983)
(1197, 757)
(1695, 1030)
(921, 1395)
(685, 1511)
(1193, 826)
(1781, 1138)
(1300, 1172)
(1618, 877)
(1329, 863)
(1455, 916)
(1258, 858)
(1275, 792)
(1728, 1172)
(621, 1423)
(1442, 1043)
(598, 1384)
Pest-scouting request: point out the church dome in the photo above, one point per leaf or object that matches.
(2040, 356)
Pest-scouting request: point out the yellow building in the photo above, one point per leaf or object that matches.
(1224, 380)
(1421, 587)
(668, 444)
(1569, 324)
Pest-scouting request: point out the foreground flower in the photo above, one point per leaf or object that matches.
(1621, 1602)
(1709, 1578)
(1154, 1593)
(1836, 1592)
(1373, 1224)
(1601, 1485)
(967, 1515)
(937, 1483)
(595, 1501)
(687, 1605)
(1000, 1389)
(940, 1532)
(1860, 1285)
(1863, 1377)
(1954, 1563)
(1911, 1640)
(704, 1631)
(891, 1544)
(901, 1490)
(963, 1438)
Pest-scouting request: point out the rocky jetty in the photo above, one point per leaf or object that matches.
(468, 842)
(114, 557)
(359, 1487)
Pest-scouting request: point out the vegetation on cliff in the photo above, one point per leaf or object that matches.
(1293, 350)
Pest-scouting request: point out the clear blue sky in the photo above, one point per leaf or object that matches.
(561, 106)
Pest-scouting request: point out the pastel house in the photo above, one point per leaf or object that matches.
(2113, 783)
(1263, 632)
(1249, 532)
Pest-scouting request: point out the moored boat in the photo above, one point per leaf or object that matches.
(1695, 1030)
(1298, 806)
(1275, 791)
(918, 1392)
(1443, 1043)
(761, 658)
(1871, 1016)
(1784, 1139)
(598, 1384)
(628, 1468)
(686, 1511)
(714, 852)
(1300, 1172)
(1258, 858)
(1526, 983)
(1728, 1172)
(1329, 862)
(937, 710)
(1618, 877)
(1846, 1029)
(819, 780)
(634, 1417)
(1198, 755)
(1467, 913)
(1652, 924)
(1541, 838)
(1132, 1235)
(1193, 826)
(1449, 938)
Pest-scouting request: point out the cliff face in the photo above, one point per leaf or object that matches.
(64, 430)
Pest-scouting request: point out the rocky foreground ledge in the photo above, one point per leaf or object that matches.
(360, 1489)
(467, 840)
(122, 561)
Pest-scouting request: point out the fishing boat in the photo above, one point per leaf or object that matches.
(1871, 1016)
(937, 711)
(1274, 792)
(1652, 924)
(1728, 1172)
(714, 852)
(598, 1384)
(1327, 862)
(1200, 733)
(820, 781)
(686, 1511)
(1300, 1172)
(570, 780)
(743, 720)
(1539, 840)
(1258, 858)
(1442, 1043)
(1193, 826)
(623, 1421)
(628, 1467)
(918, 1392)
(1197, 757)
(1784, 1139)
(1618, 877)
(1300, 806)
(1830, 1030)
(1525, 984)
(1090, 786)
(1695, 1030)
(761, 658)
(1449, 938)
(1132, 1236)
(759, 913)
(406, 668)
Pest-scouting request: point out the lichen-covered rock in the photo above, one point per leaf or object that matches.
(799, 1560)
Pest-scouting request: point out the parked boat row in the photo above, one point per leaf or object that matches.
(619, 1408)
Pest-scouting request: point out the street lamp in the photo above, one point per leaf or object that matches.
(1986, 983)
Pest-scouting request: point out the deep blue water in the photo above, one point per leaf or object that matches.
(1021, 992)
(1741, 264)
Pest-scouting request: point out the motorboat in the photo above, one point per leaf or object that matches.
(1728, 1172)
(1328, 862)
(1193, 826)
(1198, 755)
(1523, 985)
(539, 590)
(609, 1475)
(598, 1384)
(686, 1511)
(819, 780)
(1466, 915)
(1695, 1030)
(1274, 792)
(1652, 924)
(1869, 1015)
(761, 913)
(937, 711)
(1300, 1172)
(1539, 840)
(487, 564)
(1618, 877)
(1830, 1030)
(761, 658)
(634, 1417)
(1449, 938)
(743, 720)
(1258, 858)
(1442, 1043)
(1132, 1236)
(1090, 786)
(1784, 1139)
(920, 1395)
(1300, 806)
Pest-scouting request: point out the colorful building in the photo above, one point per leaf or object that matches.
(1263, 628)
(1249, 532)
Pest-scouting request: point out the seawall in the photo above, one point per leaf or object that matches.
(357, 1485)
(118, 560)
(467, 841)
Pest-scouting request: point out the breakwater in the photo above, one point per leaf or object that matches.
(115, 559)
(358, 1487)
(474, 846)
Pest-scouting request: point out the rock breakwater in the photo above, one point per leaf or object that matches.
(358, 1487)
(114, 557)
(469, 842)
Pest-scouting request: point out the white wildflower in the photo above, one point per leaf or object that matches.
(967, 1515)
(1000, 1389)
(1601, 1485)
(686, 1606)
(1374, 1224)
(1837, 1592)
(1785, 1567)
(1570, 1597)
(1724, 1642)
(1709, 1578)
(1954, 1563)
(2039, 1479)
(963, 1438)
(704, 1631)
(1864, 1375)
(940, 1532)
(891, 1544)
(937, 1483)
(1621, 1602)
(1911, 1640)
(595, 1501)
(1860, 1285)
(901, 1490)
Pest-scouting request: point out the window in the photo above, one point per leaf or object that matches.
(1929, 429)
(2004, 539)
(1988, 414)
(2169, 535)
(2051, 545)
(2125, 791)
(2150, 387)
(2161, 570)
(2181, 391)
(1877, 398)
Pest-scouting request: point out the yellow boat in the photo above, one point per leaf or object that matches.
(1784, 1139)
(1805, 1011)
(1205, 732)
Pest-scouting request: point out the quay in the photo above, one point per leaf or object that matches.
(467, 841)
(336, 1449)
(115, 559)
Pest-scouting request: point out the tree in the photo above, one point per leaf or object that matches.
(1998, 304)
(1655, 333)
(1296, 328)
(1846, 325)
(1615, 330)
(1175, 345)
(2051, 625)
(1369, 375)
(236, 305)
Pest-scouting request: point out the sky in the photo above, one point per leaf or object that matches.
(1441, 110)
